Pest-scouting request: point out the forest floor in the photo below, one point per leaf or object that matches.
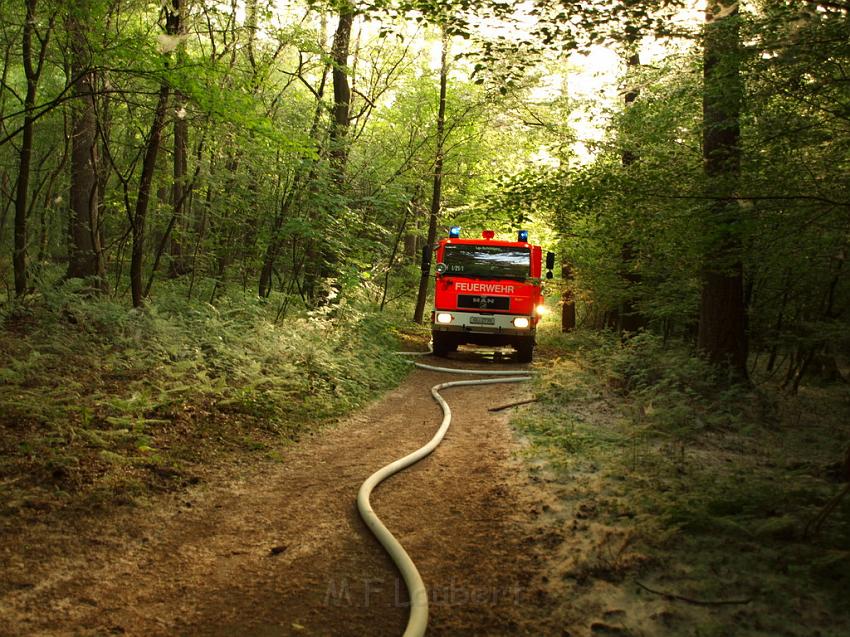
(278, 548)
(508, 541)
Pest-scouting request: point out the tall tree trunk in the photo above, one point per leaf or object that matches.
(85, 254)
(32, 72)
(180, 172)
(722, 326)
(143, 197)
(172, 22)
(321, 257)
(179, 189)
(342, 92)
(436, 193)
(103, 104)
(629, 318)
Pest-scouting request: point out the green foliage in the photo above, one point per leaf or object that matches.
(636, 223)
(88, 379)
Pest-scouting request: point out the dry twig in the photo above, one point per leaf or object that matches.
(516, 404)
(690, 600)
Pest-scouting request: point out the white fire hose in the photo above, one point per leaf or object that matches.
(417, 621)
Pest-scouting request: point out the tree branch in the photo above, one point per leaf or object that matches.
(690, 600)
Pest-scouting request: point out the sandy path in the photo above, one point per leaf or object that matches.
(202, 563)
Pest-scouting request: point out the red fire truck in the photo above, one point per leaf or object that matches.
(488, 292)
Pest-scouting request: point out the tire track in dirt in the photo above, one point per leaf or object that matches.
(207, 569)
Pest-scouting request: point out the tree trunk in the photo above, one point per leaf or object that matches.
(320, 264)
(722, 326)
(568, 303)
(143, 197)
(85, 254)
(180, 168)
(172, 27)
(179, 189)
(104, 123)
(425, 278)
(342, 92)
(31, 72)
(322, 259)
(629, 319)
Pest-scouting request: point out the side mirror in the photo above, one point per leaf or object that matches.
(440, 268)
(549, 274)
(426, 255)
(550, 261)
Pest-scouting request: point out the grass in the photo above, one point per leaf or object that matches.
(99, 401)
(719, 482)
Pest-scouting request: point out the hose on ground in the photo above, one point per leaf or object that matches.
(417, 620)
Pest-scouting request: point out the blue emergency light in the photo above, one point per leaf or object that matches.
(522, 236)
(454, 232)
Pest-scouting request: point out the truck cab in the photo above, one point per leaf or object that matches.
(488, 292)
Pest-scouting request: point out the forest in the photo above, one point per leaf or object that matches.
(215, 222)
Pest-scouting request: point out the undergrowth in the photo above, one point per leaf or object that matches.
(720, 481)
(100, 400)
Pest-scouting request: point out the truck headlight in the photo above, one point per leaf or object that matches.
(521, 322)
(443, 317)
(541, 310)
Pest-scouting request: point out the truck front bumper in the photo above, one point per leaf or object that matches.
(481, 323)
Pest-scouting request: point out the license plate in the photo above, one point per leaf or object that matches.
(482, 320)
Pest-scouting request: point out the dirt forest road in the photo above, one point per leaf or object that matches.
(280, 549)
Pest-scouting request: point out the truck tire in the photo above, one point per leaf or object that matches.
(443, 344)
(525, 350)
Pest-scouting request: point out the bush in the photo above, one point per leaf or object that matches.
(86, 380)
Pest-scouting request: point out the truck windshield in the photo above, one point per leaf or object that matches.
(487, 261)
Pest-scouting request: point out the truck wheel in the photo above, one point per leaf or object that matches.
(443, 344)
(525, 350)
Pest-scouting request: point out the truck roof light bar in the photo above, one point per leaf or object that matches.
(522, 236)
(454, 232)
(488, 234)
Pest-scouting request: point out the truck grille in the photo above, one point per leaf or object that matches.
(481, 302)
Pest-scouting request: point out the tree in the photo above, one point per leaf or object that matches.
(171, 11)
(341, 91)
(85, 253)
(32, 72)
(629, 318)
(722, 323)
(436, 191)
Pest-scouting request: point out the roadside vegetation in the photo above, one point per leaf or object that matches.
(100, 403)
(708, 501)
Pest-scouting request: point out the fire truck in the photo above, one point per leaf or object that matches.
(488, 292)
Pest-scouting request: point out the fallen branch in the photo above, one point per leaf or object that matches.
(516, 404)
(689, 600)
